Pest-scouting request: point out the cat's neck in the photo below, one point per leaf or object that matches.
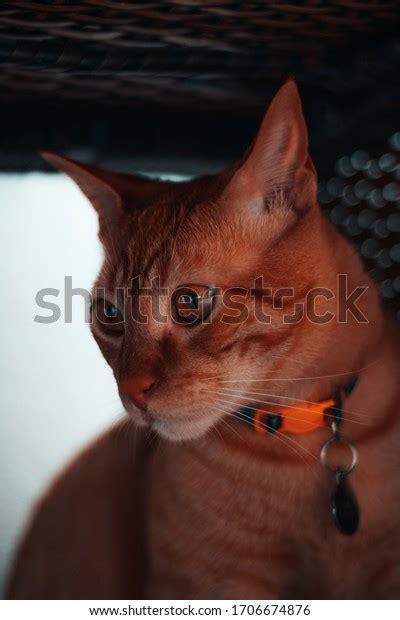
(369, 412)
(376, 397)
(368, 350)
(366, 345)
(374, 403)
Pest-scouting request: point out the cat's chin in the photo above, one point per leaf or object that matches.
(183, 430)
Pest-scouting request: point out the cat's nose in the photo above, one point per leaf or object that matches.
(137, 389)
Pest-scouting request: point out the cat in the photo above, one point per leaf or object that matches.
(200, 505)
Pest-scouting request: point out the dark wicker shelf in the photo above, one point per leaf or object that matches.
(181, 85)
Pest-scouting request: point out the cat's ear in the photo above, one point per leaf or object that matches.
(278, 163)
(110, 193)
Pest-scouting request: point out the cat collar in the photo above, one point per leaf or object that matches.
(301, 418)
(304, 418)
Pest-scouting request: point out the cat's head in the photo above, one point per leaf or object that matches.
(193, 348)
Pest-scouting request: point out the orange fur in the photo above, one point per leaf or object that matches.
(211, 509)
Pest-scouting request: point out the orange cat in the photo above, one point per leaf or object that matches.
(211, 508)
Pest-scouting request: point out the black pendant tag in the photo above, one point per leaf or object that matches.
(345, 510)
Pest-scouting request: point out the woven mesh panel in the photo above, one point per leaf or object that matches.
(192, 50)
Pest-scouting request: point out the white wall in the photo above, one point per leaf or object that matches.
(56, 391)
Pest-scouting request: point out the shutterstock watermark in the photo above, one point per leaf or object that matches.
(192, 304)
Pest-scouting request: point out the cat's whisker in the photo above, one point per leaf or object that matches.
(227, 374)
(283, 439)
(152, 437)
(274, 404)
(328, 376)
(127, 427)
(119, 420)
(216, 431)
(277, 434)
(226, 409)
(132, 431)
(124, 427)
(286, 357)
(243, 393)
(304, 378)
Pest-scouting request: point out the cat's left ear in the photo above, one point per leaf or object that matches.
(110, 193)
(278, 164)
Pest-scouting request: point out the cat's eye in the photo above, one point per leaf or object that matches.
(192, 304)
(109, 317)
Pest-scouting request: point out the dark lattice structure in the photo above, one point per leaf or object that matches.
(181, 85)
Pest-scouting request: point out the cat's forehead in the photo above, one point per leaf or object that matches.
(179, 252)
(182, 237)
(153, 238)
(148, 240)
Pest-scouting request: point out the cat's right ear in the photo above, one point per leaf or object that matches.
(110, 193)
(278, 163)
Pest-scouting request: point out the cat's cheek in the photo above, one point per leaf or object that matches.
(108, 348)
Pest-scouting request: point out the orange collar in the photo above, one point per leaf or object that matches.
(301, 417)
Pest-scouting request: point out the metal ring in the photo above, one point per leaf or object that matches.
(324, 456)
(335, 429)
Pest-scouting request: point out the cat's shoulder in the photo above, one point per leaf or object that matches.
(107, 462)
(97, 497)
